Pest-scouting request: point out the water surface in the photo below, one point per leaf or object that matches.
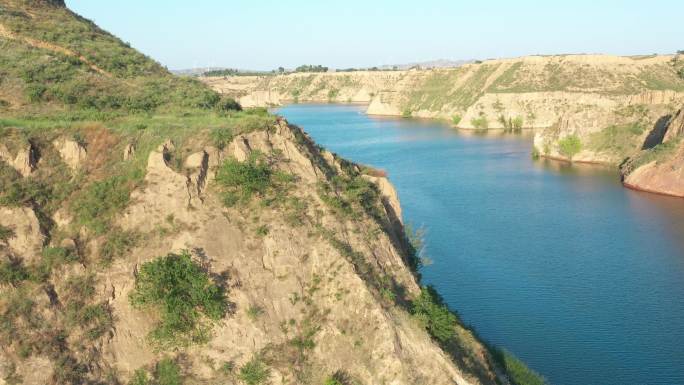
(579, 277)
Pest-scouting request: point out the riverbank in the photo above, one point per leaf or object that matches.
(583, 279)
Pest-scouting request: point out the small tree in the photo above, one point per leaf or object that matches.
(570, 146)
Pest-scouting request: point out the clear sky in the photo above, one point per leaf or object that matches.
(265, 34)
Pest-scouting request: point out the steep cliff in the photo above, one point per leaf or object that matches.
(659, 168)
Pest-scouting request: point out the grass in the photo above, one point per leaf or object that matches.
(254, 372)
(240, 182)
(13, 272)
(660, 153)
(518, 373)
(434, 315)
(480, 123)
(618, 139)
(254, 312)
(98, 203)
(186, 298)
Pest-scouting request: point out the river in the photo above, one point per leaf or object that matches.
(559, 264)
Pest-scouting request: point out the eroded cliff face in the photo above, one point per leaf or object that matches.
(583, 108)
(660, 168)
(537, 90)
(338, 281)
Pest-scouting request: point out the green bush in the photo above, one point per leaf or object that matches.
(221, 136)
(184, 295)
(480, 123)
(570, 146)
(242, 180)
(456, 119)
(168, 373)
(435, 316)
(254, 372)
(517, 123)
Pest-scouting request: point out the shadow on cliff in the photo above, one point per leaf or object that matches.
(655, 137)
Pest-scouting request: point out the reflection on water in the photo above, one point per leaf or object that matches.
(581, 278)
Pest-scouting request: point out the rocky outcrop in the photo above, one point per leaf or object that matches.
(72, 152)
(27, 237)
(659, 169)
(24, 161)
(285, 263)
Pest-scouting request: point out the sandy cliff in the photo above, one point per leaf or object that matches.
(336, 280)
(608, 107)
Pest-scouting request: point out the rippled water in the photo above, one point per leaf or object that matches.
(579, 277)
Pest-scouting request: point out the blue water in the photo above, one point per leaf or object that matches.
(579, 277)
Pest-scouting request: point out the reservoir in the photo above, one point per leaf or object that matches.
(579, 277)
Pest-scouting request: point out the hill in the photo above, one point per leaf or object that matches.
(153, 232)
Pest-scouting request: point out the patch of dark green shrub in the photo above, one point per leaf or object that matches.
(12, 271)
(185, 296)
(241, 181)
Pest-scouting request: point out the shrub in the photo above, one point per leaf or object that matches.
(254, 312)
(570, 146)
(435, 316)
(517, 123)
(168, 373)
(228, 104)
(140, 377)
(254, 372)
(456, 119)
(52, 257)
(25, 191)
(118, 243)
(517, 371)
(12, 272)
(184, 295)
(6, 233)
(242, 180)
(332, 381)
(480, 123)
(221, 136)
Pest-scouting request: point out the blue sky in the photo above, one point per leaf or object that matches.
(354, 33)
